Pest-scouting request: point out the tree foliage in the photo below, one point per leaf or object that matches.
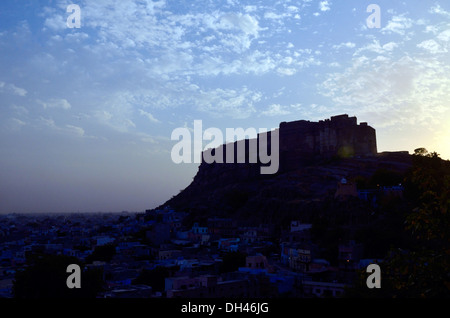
(154, 278)
(422, 269)
(46, 276)
(232, 261)
(102, 253)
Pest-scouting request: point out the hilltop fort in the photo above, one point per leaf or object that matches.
(304, 141)
(314, 157)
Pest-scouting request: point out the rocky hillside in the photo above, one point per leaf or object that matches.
(239, 191)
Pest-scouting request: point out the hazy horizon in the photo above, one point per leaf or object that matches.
(87, 113)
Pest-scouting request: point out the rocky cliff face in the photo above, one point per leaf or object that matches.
(241, 192)
(314, 157)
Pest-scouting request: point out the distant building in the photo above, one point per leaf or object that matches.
(222, 227)
(297, 226)
(318, 265)
(130, 291)
(349, 256)
(395, 191)
(373, 195)
(159, 233)
(323, 289)
(229, 244)
(298, 233)
(210, 286)
(346, 189)
(169, 254)
(258, 262)
(297, 256)
(196, 229)
(199, 234)
(120, 276)
(103, 240)
(363, 263)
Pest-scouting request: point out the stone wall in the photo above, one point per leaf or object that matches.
(304, 142)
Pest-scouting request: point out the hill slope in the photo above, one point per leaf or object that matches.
(235, 190)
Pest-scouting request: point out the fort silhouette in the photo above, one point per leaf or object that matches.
(314, 157)
(303, 142)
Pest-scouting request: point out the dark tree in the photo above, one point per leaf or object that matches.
(232, 261)
(421, 269)
(154, 278)
(46, 276)
(102, 253)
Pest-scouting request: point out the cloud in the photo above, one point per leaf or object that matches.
(279, 110)
(48, 122)
(147, 138)
(12, 89)
(14, 124)
(250, 8)
(376, 47)
(244, 23)
(148, 116)
(55, 22)
(438, 10)
(391, 91)
(62, 129)
(103, 115)
(232, 103)
(116, 115)
(348, 45)
(78, 131)
(20, 110)
(286, 71)
(324, 6)
(440, 43)
(17, 90)
(122, 24)
(203, 42)
(432, 47)
(398, 24)
(292, 9)
(444, 36)
(55, 103)
(275, 16)
(234, 32)
(275, 110)
(258, 62)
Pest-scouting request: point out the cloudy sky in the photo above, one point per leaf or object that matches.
(86, 114)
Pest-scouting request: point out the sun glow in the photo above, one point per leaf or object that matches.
(442, 145)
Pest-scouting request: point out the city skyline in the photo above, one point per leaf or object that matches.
(87, 112)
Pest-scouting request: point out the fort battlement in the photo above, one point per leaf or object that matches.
(304, 141)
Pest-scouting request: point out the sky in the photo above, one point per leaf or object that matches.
(86, 113)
